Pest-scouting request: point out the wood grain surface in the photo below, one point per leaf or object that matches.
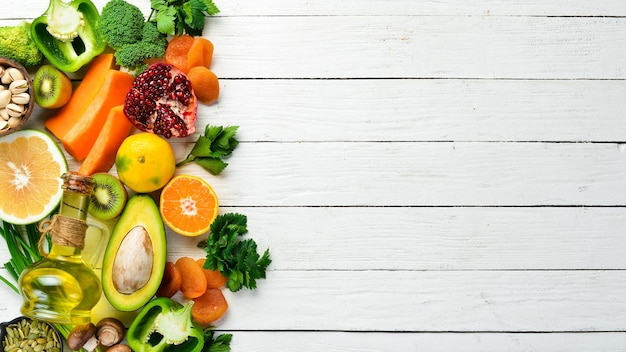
(428, 175)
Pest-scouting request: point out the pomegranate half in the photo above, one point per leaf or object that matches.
(162, 101)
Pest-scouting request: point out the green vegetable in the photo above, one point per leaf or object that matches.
(22, 242)
(176, 17)
(134, 56)
(16, 44)
(236, 259)
(165, 325)
(220, 343)
(66, 35)
(216, 143)
(120, 23)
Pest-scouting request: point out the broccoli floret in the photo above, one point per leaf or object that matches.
(17, 44)
(151, 34)
(133, 57)
(120, 23)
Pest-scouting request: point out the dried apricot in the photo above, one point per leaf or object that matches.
(209, 307)
(171, 282)
(205, 84)
(193, 279)
(214, 279)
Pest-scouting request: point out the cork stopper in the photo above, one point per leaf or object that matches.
(74, 182)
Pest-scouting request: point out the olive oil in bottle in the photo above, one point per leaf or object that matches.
(61, 287)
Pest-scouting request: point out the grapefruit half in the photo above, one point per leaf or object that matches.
(31, 165)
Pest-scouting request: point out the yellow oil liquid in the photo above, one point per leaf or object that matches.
(60, 291)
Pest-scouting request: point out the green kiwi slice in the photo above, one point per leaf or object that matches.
(109, 197)
(52, 88)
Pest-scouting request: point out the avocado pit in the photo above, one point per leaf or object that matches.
(132, 267)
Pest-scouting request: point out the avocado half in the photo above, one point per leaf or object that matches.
(135, 256)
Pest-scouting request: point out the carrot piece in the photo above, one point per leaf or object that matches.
(101, 157)
(171, 282)
(209, 307)
(214, 279)
(82, 135)
(193, 279)
(87, 90)
(177, 50)
(200, 53)
(205, 84)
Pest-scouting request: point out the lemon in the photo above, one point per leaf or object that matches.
(31, 166)
(145, 162)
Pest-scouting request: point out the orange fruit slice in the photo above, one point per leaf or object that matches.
(188, 205)
(31, 165)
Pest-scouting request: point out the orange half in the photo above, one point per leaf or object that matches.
(188, 205)
(31, 165)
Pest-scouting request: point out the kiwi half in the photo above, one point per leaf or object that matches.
(52, 88)
(109, 197)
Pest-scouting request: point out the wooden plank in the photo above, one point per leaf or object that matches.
(252, 341)
(423, 301)
(444, 301)
(418, 174)
(418, 47)
(373, 238)
(373, 7)
(420, 110)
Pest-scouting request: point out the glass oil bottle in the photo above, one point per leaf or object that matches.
(61, 287)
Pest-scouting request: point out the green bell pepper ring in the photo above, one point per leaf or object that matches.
(66, 34)
(165, 325)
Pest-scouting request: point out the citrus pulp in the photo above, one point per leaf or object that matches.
(188, 205)
(145, 162)
(31, 165)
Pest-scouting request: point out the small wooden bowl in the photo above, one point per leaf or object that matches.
(28, 108)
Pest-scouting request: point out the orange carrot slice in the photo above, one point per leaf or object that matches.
(87, 90)
(83, 133)
(171, 282)
(214, 279)
(193, 279)
(209, 307)
(205, 84)
(101, 157)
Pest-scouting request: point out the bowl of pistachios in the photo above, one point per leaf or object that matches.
(16, 96)
(26, 334)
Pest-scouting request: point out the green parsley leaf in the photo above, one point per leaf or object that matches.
(238, 260)
(221, 343)
(216, 143)
(176, 17)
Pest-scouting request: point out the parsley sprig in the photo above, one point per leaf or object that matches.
(238, 260)
(216, 143)
(219, 343)
(176, 17)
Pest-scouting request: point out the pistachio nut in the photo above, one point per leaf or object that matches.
(5, 98)
(15, 110)
(11, 74)
(20, 98)
(3, 124)
(4, 114)
(18, 86)
(14, 121)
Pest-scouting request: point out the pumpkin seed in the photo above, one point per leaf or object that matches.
(30, 336)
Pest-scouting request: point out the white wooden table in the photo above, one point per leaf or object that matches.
(428, 175)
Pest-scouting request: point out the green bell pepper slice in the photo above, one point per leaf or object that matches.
(164, 325)
(66, 34)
